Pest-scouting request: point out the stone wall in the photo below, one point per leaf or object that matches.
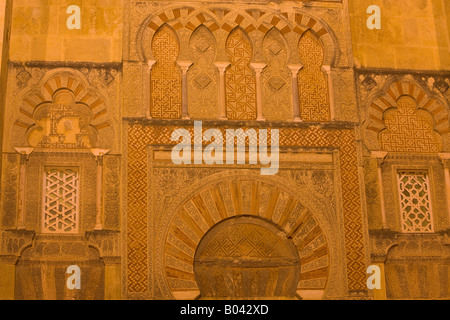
(139, 69)
(2, 24)
(414, 35)
(39, 31)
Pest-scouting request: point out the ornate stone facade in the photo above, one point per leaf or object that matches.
(87, 176)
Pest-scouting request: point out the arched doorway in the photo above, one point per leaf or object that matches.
(41, 271)
(246, 257)
(234, 197)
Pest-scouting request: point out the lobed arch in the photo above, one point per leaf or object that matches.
(240, 104)
(203, 208)
(166, 76)
(302, 22)
(203, 75)
(385, 100)
(313, 84)
(252, 20)
(173, 18)
(277, 77)
(62, 84)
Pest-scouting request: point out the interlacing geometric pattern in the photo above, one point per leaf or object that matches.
(137, 211)
(61, 200)
(415, 202)
(166, 77)
(409, 129)
(240, 80)
(245, 240)
(312, 82)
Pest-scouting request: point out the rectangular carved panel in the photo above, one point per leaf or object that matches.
(10, 189)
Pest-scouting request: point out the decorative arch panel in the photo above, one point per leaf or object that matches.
(166, 76)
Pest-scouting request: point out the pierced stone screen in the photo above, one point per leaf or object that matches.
(415, 202)
(61, 200)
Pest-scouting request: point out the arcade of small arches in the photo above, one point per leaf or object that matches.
(217, 64)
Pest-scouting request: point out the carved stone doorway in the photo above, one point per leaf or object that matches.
(246, 257)
(41, 271)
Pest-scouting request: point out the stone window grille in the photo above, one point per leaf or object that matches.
(61, 196)
(415, 201)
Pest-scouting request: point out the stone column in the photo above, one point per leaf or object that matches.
(148, 88)
(184, 65)
(112, 278)
(295, 68)
(99, 153)
(258, 67)
(222, 66)
(445, 157)
(8, 276)
(380, 294)
(380, 155)
(327, 70)
(24, 155)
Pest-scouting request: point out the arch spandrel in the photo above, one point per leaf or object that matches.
(208, 205)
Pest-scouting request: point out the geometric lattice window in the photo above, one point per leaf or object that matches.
(61, 200)
(415, 202)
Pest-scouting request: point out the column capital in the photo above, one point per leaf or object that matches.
(222, 66)
(184, 65)
(99, 153)
(295, 68)
(150, 64)
(445, 157)
(326, 69)
(24, 152)
(379, 155)
(258, 67)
